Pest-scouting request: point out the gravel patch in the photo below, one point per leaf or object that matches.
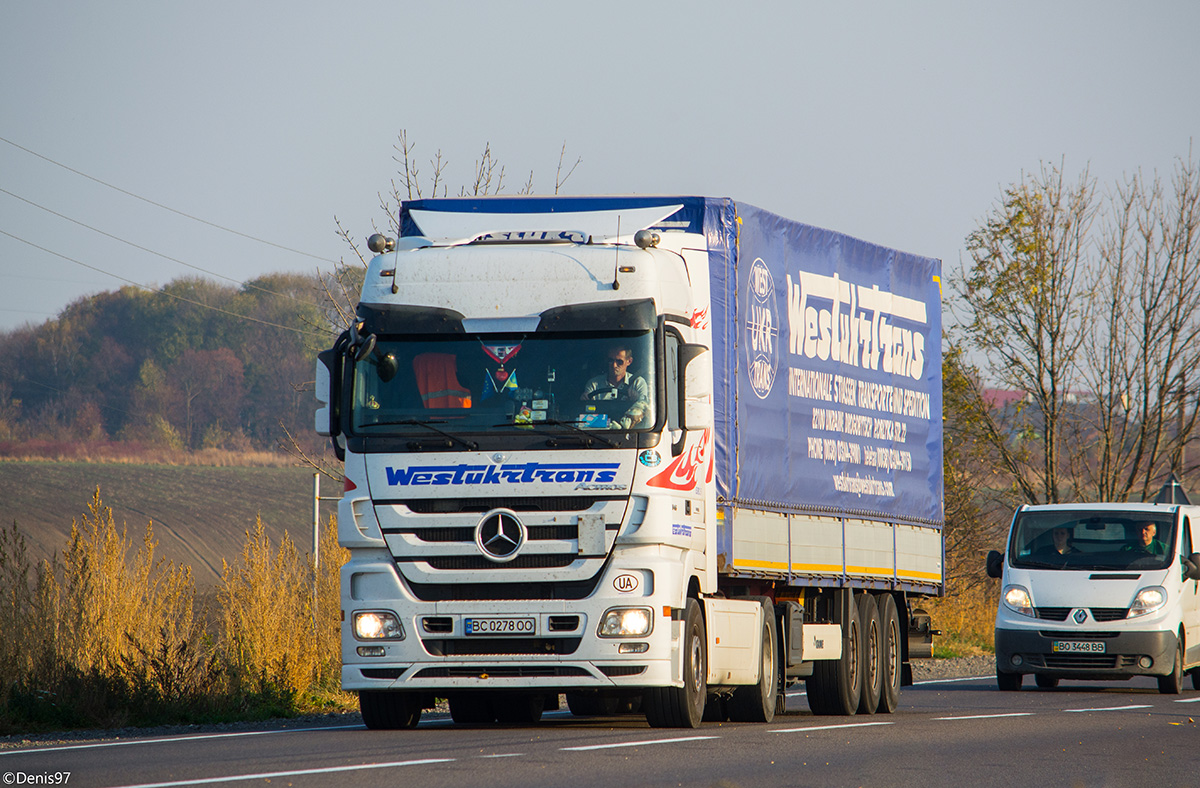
(923, 670)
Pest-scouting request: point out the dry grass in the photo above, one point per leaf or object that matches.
(138, 454)
(966, 617)
(107, 634)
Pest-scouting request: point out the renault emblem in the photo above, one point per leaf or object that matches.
(500, 535)
(1080, 616)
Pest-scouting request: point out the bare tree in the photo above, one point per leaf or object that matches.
(1026, 311)
(1143, 355)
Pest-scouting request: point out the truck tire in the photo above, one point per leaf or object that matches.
(891, 657)
(1172, 683)
(471, 708)
(1009, 682)
(683, 707)
(756, 703)
(389, 710)
(872, 670)
(523, 708)
(836, 685)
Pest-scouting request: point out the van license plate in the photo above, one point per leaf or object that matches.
(1077, 646)
(500, 626)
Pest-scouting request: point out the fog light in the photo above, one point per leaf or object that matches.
(371, 651)
(633, 648)
(1145, 663)
(1017, 660)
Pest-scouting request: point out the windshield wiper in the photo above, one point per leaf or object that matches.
(588, 437)
(427, 424)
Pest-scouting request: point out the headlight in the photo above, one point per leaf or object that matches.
(1016, 599)
(1147, 601)
(626, 622)
(377, 625)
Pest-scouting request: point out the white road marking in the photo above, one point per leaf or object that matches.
(1108, 708)
(172, 739)
(297, 773)
(504, 755)
(830, 727)
(637, 743)
(988, 716)
(1188, 700)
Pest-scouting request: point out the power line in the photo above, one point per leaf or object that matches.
(165, 207)
(161, 290)
(145, 249)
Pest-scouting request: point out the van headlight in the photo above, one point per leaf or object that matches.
(1016, 599)
(626, 622)
(377, 625)
(1147, 601)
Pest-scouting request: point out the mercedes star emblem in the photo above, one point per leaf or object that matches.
(500, 535)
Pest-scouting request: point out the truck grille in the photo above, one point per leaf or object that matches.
(461, 562)
(502, 671)
(476, 592)
(445, 535)
(481, 646)
(561, 503)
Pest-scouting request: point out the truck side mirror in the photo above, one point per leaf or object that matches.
(995, 564)
(697, 387)
(1191, 567)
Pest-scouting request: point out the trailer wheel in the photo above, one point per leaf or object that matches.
(756, 703)
(389, 710)
(872, 670)
(836, 685)
(683, 707)
(471, 708)
(1172, 683)
(520, 709)
(891, 658)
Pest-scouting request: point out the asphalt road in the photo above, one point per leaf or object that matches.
(949, 732)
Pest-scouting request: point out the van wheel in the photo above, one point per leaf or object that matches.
(891, 659)
(1009, 682)
(1172, 683)
(683, 707)
(872, 671)
(1044, 681)
(757, 703)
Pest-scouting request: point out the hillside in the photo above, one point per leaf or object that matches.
(200, 514)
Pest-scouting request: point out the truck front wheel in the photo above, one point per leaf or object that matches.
(389, 710)
(683, 707)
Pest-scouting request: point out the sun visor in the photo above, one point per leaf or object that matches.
(606, 226)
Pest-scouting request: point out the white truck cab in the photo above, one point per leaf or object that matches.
(1099, 591)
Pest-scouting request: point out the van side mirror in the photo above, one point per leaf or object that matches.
(1191, 567)
(995, 564)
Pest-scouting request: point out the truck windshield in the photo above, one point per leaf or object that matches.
(1092, 540)
(464, 383)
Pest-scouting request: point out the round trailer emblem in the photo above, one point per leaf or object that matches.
(500, 535)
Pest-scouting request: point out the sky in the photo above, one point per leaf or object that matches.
(145, 141)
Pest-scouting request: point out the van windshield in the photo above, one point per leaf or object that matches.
(1092, 540)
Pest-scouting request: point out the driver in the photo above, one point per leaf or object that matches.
(620, 384)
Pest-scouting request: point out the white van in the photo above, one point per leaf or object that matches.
(1099, 591)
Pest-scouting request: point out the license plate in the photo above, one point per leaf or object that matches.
(1079, 646)
(500, 626)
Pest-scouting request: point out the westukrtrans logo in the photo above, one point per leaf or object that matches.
(760, 332)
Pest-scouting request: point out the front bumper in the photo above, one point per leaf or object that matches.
(1125, 653)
